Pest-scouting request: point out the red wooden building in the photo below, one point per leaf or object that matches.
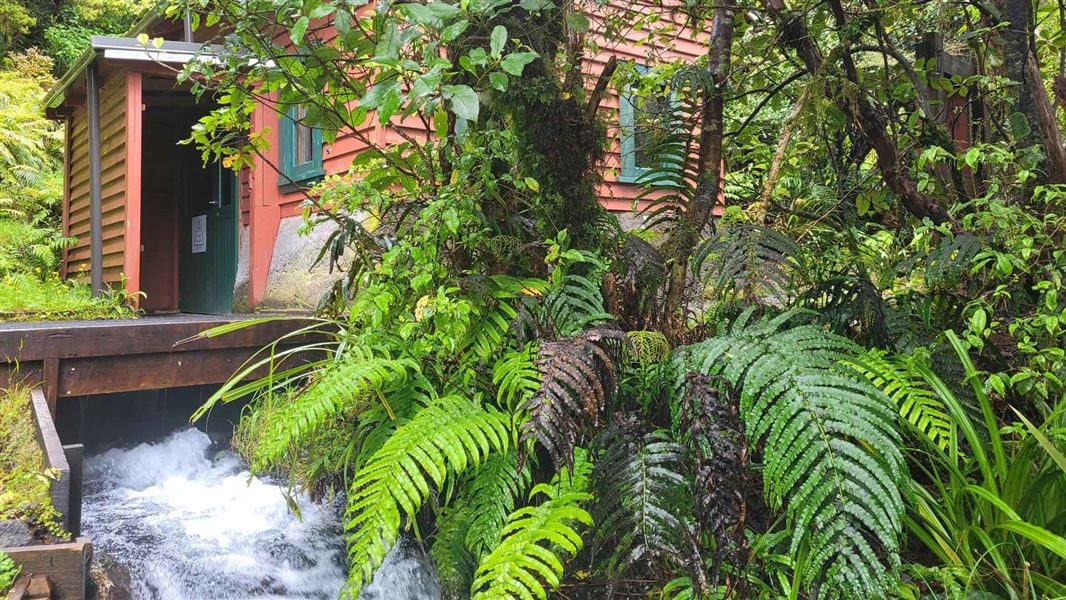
(149, 216)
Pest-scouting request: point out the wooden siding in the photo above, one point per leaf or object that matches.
(677, 43)
(113, 140)
(632, 45)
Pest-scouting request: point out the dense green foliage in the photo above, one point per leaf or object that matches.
(31, 163)
(8, 572)
(24, 480)
(848, 385)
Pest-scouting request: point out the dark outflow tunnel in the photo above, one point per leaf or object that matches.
(129, 418)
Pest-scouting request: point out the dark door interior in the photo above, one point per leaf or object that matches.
(189, 220)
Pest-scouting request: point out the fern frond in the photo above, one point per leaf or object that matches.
(709, 426)
(908, 389)
(454, 562)
(750, 261)
(491, 493)
(648, 346)
(853, 307)
(516, 376)
(830, 444)
(636, 479)
(356, 379)
(574, 303)
(577, 376)
(498, 293)
(536, 540)
(442, 440)
(950, 260)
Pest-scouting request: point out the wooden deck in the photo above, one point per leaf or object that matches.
(81, 358)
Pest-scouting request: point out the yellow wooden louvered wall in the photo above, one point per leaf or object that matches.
(112, 184)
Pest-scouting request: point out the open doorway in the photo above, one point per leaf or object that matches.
(188, 213)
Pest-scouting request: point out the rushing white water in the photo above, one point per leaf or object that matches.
(190, 523)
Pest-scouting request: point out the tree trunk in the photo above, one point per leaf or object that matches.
(1019, 50)
(868, 119)
(709, 169)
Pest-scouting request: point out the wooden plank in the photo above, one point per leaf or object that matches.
(54, 457)
(50, 382)
(26, 343)
(111, 374)
(66, 565)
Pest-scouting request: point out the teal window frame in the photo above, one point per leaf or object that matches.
(298, 174)
(631, 172)
(628, 130)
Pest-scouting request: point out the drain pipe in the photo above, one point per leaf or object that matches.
(188, 23)
(96, 232)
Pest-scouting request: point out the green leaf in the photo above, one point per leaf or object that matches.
(453, 31)
(463, 101)
(515, 62)
(498, 81)
(577, 21)
(298, 30)
(497, 40)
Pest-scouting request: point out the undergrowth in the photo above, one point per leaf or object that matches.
(24, 479)
(24, 297)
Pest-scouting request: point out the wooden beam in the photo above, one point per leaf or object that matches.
(112, 374)
(132, 234)
(31, 342)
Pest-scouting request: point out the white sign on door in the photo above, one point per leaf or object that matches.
(199, 234)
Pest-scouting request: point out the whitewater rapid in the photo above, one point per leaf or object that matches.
(187, 521)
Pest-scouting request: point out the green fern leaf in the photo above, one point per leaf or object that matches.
(444, 439)
(516, 376)
(454, 562)
(491, 493)
(907, 387)
(749, 261)
(356, 379)
(528, 562)
(830, 445)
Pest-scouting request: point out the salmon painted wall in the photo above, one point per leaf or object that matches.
(264, 204)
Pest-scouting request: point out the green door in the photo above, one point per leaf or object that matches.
(208, 238)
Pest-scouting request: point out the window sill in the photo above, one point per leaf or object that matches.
(296, 185)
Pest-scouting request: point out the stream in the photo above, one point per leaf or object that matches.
(182, 519)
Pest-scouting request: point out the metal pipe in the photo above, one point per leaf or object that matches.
(96, 232)
(188, 23)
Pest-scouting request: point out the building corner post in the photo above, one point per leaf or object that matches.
(96, 236)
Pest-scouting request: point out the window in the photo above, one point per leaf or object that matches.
(642, 119)
(300, 147)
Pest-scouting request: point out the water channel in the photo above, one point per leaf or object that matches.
(179, 517)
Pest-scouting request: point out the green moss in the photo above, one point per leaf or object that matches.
(24, 480)
(27, 298)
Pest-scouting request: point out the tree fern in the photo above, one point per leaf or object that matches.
(443, 439)
(528, 562)
(577, 376)
(908, 388)
(829, 444)
(355, 378)
(750, 261)
(637, 480)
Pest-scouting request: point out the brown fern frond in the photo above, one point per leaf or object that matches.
(578, 376)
